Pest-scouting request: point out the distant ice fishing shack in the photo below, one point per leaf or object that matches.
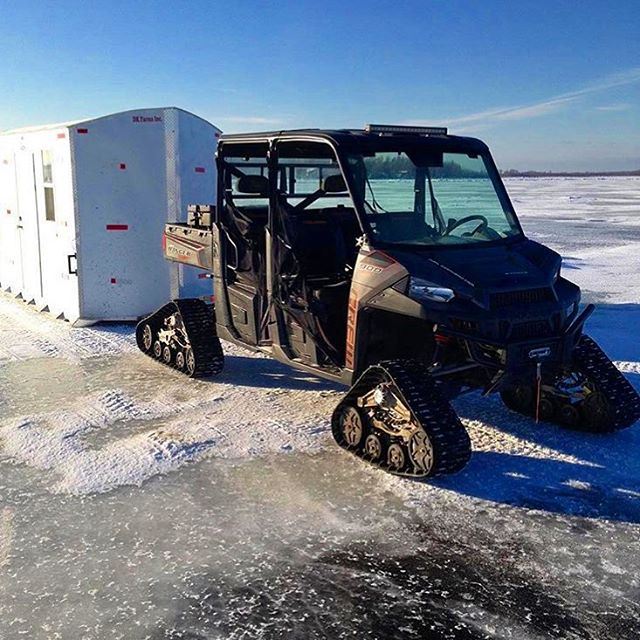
(83, 206)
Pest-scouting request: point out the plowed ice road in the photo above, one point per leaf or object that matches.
(137, 504)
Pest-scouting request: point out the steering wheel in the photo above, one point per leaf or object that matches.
(458, 223)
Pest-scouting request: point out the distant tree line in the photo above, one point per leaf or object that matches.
(399, 166)
(514, 173)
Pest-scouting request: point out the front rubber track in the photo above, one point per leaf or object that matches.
(430, 408)
(619, 402)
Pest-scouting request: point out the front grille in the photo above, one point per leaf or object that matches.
(533, 329)
(526, 296)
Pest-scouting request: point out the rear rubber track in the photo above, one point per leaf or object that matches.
(198, 321)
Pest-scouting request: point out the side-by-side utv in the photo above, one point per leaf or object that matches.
(389, 259)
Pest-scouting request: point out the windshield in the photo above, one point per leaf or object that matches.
(430, 198)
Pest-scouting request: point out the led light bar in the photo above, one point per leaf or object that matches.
(391, 129)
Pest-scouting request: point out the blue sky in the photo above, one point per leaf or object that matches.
(549, 85)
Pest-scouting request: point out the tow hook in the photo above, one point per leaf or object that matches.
(538, 388)
(539, 354)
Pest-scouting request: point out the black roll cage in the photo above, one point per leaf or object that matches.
(344, 143)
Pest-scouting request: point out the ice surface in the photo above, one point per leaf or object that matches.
(137, 504)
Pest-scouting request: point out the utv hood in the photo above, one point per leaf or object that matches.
(522, 264)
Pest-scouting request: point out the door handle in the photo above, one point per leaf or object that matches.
(72, 271)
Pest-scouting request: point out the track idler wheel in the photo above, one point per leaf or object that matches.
(596, 411)
(190, 362)
(396, 458)
(147, 337)
(569, 415)
(373, 448)
(351, 425)
(421, 451)
(547, 409)
(520, 398)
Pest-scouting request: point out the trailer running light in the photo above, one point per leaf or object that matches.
(391, 129)
(82, 130)
(61, 136)
(123, 166)
(117, 227)
(199, 169)
(113, 281)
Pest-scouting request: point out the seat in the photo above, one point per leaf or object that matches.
(345, 219)
(320, 248)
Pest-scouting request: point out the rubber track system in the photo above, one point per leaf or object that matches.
(196, 332)
(617, 406)
(430, 411)
(622, 398)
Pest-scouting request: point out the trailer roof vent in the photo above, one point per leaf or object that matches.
(397, 129)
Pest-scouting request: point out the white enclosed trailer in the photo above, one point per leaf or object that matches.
(83, 207)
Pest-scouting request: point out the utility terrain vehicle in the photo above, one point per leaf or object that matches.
(389, 259)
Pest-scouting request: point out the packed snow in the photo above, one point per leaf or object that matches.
(135, 503)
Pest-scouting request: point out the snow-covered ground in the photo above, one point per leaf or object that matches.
(137, 504)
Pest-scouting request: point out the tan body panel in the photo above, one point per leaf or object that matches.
(374, 271)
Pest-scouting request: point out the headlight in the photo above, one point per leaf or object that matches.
(423, 290)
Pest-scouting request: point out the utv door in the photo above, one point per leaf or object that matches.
(314, 251)
(243, 211)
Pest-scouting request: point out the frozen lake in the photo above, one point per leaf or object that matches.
(137, 504)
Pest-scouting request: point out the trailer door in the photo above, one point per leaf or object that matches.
(28, 227)
(10, 261)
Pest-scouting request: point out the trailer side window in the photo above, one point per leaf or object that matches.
(47, 182)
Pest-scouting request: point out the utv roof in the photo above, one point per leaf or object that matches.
(364, 137)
